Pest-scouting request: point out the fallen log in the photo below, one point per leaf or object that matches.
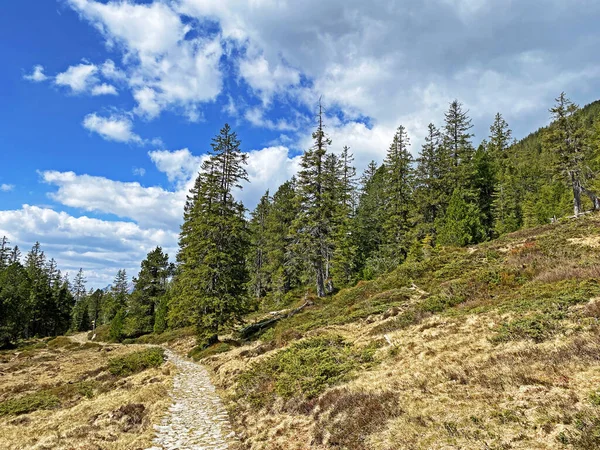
(255, 327)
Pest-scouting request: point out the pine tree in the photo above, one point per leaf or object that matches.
(431, 195)
(150, 286)
(370, 215)
(345, 249)
(119, 292)
(566, 139)
(313, 220)
(213, 243)
(484, 185)
(457, 144)
(462, 224)
(258, 263)
(5, 252)
(81, 320)
(398, 192)
(283, 264)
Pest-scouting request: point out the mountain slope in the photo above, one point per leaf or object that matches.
(495, 346)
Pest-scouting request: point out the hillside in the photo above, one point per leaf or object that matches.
(496, 346)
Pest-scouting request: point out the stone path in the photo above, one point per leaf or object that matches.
(197, 419)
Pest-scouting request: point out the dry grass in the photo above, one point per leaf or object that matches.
(501, 352)
(94, 409)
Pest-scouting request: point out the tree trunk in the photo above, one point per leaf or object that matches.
(576, 195)
(320, 280)
(593, 197)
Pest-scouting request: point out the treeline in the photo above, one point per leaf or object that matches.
(328, 227)
(35, 299)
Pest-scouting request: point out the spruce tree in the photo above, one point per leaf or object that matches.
(566, 139)
(212, 274)
(258, 263)
(283, 264)
(313, 220)
(431, 194)
(398, 196)
(457, 144)
(345, 246)
(149, 288)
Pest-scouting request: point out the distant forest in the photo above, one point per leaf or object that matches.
(323, 230)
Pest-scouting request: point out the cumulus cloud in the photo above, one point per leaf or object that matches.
(166, 69)
(101, 247)
(113, 128)
(147, 206)
(6, 187)
(79, 78)
(139, 171)
(104, 89)
(37, 75)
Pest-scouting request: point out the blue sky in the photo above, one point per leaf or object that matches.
(108, 106)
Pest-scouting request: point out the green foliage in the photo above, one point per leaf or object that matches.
(462, 224)
(117, 327)
(302, 371)
(136, 362)
(200, 352)
(150, 287)
(210, 285)
(537, 328)
(29, 403)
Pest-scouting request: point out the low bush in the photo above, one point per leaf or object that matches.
(537, 328)
(301, 372)
(200, 352)
(28, 403)
(136, 362)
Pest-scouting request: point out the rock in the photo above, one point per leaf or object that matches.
(197, 418)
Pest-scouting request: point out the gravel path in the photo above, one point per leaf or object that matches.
(197, 419)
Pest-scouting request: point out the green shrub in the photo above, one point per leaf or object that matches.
(199, 352)
(537, 328)
(136, 362)
(28, 403)
(302, 371)
(62, 342)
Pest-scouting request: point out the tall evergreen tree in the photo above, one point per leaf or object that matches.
(213, 243)
(431, 195)
(345, 247)
(313, 220)
(283, 263)
(398, 191)
(258, 263)
(150, 286)
(457, 143)
(566, 139)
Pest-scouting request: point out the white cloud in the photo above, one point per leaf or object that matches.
(266, 79)
(79, 78)
(179, 165)
(147, 206)
(104, 89)
(165, 69)
(100, 247)
(256, 116)
(113, 128)
(37, 75)
(6, 187)
(139, 171)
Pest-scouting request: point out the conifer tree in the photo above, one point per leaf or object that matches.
(567, 140)
(258, 263)
(398, 192)
(462, 222)
(431, 195)
(117, 300)
(283, 263)
(313, 220)
(457, 144)
(149, 288)
(213, 243)
(370, 215)
(345, 247)
(484, 184)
